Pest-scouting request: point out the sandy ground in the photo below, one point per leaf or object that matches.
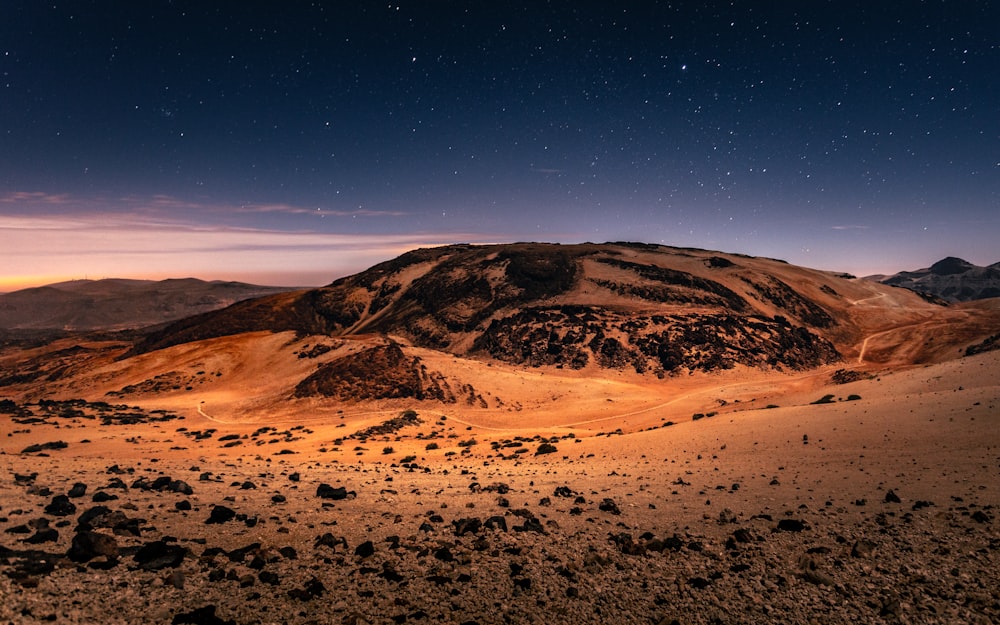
(768, 509)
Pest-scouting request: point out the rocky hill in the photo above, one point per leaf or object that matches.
(623, 306)
(114, 304)
(951, 279)
(507, 327)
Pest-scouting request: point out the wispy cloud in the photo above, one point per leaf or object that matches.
(289, 209)
(849, 227)
(171, 208)
(34, 197)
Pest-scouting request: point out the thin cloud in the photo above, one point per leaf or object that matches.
(849, 227)
(170, 208)
(289, 209)
(35, 197)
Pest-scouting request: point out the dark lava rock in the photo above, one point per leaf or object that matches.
(60, 506)
(531, 524)
(546, 448)
(627, 545)
(891, 497)
(699, 582)
(89, 518)
(102, 496)
(390, 574)
(496, 522)
(34, 449)
(365, 549)
(791, 525)
(563, 491)
(159, 555)
(240, 553)
(981, 517)
(183, 505)
(44, 535)
(220, 514)
(268, 577)
(331, 541)
(325, 491)
(79, 490)
(609, 505)
(444, 554)
(88, 545)
(201, 616)
(467, 526)
(313, 588)
(25, 479)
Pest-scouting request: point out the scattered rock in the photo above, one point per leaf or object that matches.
(220, 514)
(791, 525)
(609, 505)
(158, 555)
(88, 545)
(325, 491)
(60, 506)
(201, 616)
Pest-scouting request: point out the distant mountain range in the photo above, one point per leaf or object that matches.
(115, 304)
(951, 279)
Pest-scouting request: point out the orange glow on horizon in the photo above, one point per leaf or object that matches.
(17, 283)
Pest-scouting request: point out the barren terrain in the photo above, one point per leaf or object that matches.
(287, 476)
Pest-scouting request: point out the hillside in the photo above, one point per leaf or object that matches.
(114, 304)
(515, 328)
(649, 308)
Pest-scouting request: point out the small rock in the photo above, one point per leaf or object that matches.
(220, 514)
(44, 535)
(325, 491)
(609, 505)
(863, 549)
(60, 506)
(158, 555)
(365, 549)
(791, 525)
(201, 616)
(88, 545)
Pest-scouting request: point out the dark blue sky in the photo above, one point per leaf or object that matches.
(856, 136)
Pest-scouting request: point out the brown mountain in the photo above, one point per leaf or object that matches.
(462, 324)
(114, 304)
(649, 308)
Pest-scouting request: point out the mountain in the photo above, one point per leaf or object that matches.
(614, 306)
(951, 279)
(511, 327)
(86, 305)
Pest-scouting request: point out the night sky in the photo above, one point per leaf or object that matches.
(292, 143)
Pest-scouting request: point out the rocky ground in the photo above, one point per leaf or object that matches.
(872, 510)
